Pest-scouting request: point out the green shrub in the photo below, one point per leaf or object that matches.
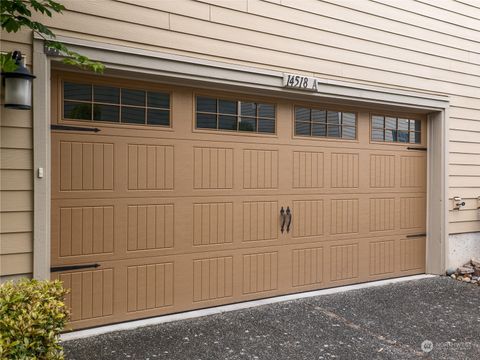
(32, 314)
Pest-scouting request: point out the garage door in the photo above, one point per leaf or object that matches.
(171, 199)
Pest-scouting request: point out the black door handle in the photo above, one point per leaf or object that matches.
(289, 216)
(283, 219)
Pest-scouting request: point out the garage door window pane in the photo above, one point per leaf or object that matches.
(415, 125)
(74, 91)
(133, 115)
(402, 136)
(302, 128)
(227, 107)
(75, 110)
(248, 109)
(333, 131)
(247, 124)
(206, 121)
(106, 94)
(158, 100)
(391, 123)
(333, 117)
(377, 135)
(348, 132)
(266, 126)
(319, 129)
(403, 124)
(133, 97)
(377, 122)
(302, 114)
(266, 111)
(348, 119)
(205, 104)
(158, 117)
(227, 122)
(390, 135)
(415, 137)
(106, 113)
(319, 116)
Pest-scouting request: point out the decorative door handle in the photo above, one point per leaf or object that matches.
(289, 216)
(283, 219)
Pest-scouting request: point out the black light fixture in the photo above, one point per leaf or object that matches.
(18, 85)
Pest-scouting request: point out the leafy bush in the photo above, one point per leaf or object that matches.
(32, 314)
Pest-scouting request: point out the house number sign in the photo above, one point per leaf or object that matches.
(300, 82)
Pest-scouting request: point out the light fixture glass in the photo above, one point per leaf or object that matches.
(18, 85)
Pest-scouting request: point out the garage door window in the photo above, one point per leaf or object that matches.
(325, 123)
(234, 115)
(393, 129)
(114, 104)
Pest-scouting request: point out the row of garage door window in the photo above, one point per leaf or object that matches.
(92, 102)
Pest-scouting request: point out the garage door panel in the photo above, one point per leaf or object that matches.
(308, 169)
(91, 294)
(382, 257)
(213, 223)
(412, 171)
(412, 254)
(260, 169)
(260, 220)
(150, 167)
(308, 266)
(382, 171)
(149, 286)
(83, 164)
(84, 230)
(150, 226)
(412, 212)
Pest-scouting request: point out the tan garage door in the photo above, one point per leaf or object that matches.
(152, 215)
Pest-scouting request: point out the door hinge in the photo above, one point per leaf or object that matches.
(416, 235)
(73, 267)
(73, 128)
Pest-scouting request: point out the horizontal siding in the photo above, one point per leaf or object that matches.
(16, 243)
(12, 264)
(16, 183)
(16, 201)
(16, 221)
(16, 159)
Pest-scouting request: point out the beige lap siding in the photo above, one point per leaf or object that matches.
(16, 185)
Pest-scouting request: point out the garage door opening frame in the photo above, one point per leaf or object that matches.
(167, 68)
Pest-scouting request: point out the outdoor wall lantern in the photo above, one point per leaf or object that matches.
(18, 85)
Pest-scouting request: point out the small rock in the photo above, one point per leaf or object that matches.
(453, 276)
(465, 270)
(475, 263)
(450, 272)
(467, 279)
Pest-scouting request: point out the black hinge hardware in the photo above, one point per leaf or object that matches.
(417, 148)
(416, 235)
(73, 267)
(73, 128)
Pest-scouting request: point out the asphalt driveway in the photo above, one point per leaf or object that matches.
(388, 322)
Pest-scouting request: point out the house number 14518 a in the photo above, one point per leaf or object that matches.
(300, 82)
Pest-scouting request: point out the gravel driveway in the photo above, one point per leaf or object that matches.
(387, 322)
